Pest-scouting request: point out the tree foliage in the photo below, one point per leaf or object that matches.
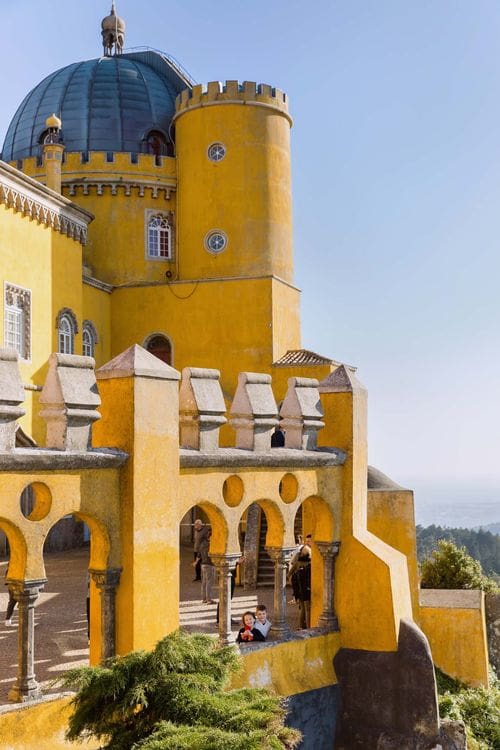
(451, 567)
(482, 545)
(175, 698)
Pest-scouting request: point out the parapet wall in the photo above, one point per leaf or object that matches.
(232, 92)
(99, 161)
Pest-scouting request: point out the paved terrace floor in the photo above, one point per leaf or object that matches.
(61, 623)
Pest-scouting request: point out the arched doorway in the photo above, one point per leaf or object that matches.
(160, 346)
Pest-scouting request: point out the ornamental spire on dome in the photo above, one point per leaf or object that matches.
(113, 33)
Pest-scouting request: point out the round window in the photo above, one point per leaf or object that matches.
(216, 152)
(215, 241)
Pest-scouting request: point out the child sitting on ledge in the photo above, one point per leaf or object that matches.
(248, 633)
(261, 621)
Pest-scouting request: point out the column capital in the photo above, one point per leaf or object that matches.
(226, 560)
(328, 549)
(280, 554)
(25, 589)
(109, 578)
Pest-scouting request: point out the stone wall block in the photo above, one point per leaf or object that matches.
(202, 409)
(301, 414)
(70, 399)
(254, 413)
(11, 397)
(492, 606)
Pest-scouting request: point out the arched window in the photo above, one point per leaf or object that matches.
(66, 328)
(160, 346)
(89, 338)
(159, 237)
(156, 143)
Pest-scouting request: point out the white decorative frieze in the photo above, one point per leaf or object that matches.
(25, 196)
(157, 189)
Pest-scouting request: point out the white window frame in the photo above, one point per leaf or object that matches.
(89, 332)
(66, 338)
(212, 233)
(216, 152)
(166, 217)
(17, 303)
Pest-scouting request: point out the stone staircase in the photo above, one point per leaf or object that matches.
(265, 566)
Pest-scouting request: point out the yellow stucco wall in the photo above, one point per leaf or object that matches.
(290, 668)
(391, 517)
(96, 307)
(116, 244)
(454, 623)
(40, 727)
(49, 264)
(247, 195)
(205, 322)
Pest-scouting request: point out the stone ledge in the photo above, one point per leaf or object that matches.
(47, 698)
(451, 598)
(294, 635)
(275, 458)
(43, 459)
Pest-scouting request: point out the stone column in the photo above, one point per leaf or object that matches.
(329, 551)
(280, 556)
(107, 581)
(26, 594)
(224, 564)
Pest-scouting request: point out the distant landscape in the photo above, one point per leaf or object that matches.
(467, 512)
(481, 544)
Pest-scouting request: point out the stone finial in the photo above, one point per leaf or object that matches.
(254, 413)
(301, 414)
(70, 397)
(341, 380)
(137, 362)
(202, 408)
(11, 396)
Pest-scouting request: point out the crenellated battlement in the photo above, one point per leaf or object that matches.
(231, 92)
(115, 162)
(117, 173)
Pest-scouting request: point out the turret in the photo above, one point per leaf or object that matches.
(234, 209)
(53, 149)
(113, 33)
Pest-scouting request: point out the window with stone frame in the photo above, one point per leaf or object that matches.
(159, 237)
(17, 319)
(67, 327)
(89, 338)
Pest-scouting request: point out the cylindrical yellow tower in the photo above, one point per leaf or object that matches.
(234, 210)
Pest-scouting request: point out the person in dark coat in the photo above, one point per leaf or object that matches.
(301, 584)
(10, 606)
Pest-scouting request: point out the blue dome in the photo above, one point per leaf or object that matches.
(108, 104)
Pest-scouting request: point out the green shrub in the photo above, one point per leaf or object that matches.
(451, 567)
(175, 698)
(477, 708)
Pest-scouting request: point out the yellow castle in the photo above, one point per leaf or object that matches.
(146, 229)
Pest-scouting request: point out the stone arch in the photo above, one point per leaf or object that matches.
(275, 522)
(160, 345)
(67, 312)
(218, 522)
(100, 543)
(18, 549)
(317, 518)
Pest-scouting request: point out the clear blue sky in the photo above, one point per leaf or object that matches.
(396, 173)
